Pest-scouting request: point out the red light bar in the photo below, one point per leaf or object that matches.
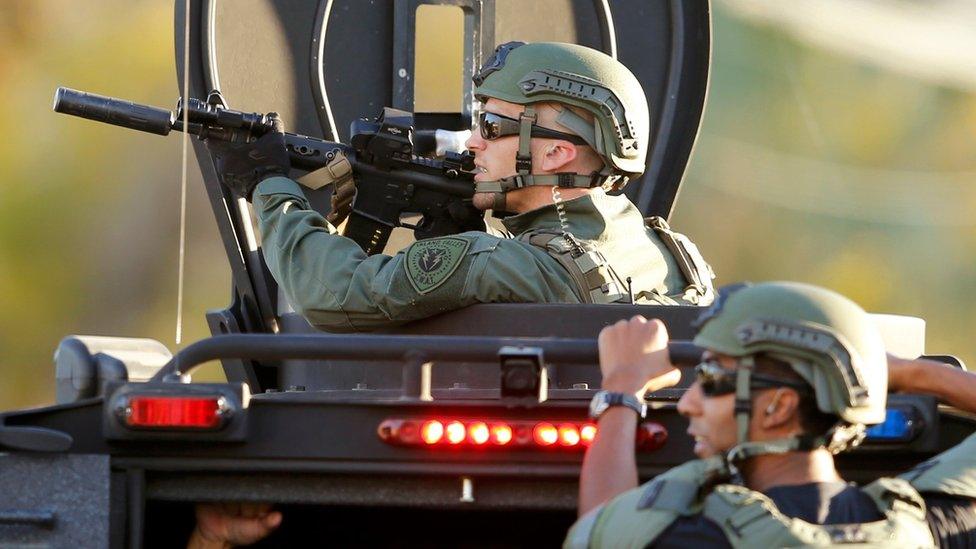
(471, 433)
(569, 435)
(587, 433)
(545, 434)
(455, 432)
(478, 432)
(501, 434)
(432, 432)
(172, 412)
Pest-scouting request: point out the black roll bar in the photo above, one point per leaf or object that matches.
(374, 347)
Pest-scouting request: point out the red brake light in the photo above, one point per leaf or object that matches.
(568, 435)
(471, 433)
(455, 432)
(587, 433)
(501, 434)
(478, 432)
(545, 434)
(432, 432)
(175, 412)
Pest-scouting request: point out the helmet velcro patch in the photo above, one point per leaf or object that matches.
(588, 91)
(809, 338)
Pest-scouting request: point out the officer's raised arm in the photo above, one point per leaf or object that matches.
(949, 384)
(633, 361)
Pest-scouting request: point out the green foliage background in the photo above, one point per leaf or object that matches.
(809, 166)
(89, 213)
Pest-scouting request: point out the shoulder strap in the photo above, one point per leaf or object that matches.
(904, 509)
(750, 519)
(896, 495)
(595, 281)
(952, 472)
(697, 272)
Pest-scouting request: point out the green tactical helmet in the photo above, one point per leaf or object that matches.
(579, 76)
(826, 338)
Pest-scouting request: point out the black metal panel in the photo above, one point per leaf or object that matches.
(357, 53)
(428, 491)
(502, 320)
(548, 320)
(54, 500)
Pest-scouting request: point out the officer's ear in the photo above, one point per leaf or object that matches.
(779, 408)
(557, 155)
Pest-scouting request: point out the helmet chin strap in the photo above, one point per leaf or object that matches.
(745, 448)
(523, 167)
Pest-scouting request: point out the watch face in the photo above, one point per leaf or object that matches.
(599, 404)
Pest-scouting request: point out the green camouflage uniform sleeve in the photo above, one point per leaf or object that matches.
(329, 280)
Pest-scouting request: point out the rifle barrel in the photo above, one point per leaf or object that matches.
(117, 112)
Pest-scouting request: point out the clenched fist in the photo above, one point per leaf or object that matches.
(634, 357)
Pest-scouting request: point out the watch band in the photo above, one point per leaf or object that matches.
(604, 400)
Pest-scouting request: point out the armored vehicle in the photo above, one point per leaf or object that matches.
(463, 429)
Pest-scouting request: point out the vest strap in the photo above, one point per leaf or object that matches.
(697, 272)
(590, 270)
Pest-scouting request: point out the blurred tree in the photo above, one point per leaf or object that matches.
(89, 213)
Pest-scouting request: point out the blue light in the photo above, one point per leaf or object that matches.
(897, 426)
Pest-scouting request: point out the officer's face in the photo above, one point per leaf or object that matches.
(711, 419)
(495, 158)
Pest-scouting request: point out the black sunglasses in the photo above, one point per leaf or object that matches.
(717, 381)
(494, 125)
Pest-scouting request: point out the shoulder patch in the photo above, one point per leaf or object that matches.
(429, 263)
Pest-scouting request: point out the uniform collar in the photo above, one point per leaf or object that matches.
(586, 216)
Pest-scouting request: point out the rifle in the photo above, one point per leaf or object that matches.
(393, 182)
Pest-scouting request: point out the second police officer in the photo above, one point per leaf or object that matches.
(792, 374)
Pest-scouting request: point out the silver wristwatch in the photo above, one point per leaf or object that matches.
(605, 399)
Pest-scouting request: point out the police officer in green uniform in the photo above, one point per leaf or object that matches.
(792, 375)
(561, 124)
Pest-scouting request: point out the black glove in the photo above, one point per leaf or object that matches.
(241, 166)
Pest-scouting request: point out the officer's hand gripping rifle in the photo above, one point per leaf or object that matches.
(392, 182)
